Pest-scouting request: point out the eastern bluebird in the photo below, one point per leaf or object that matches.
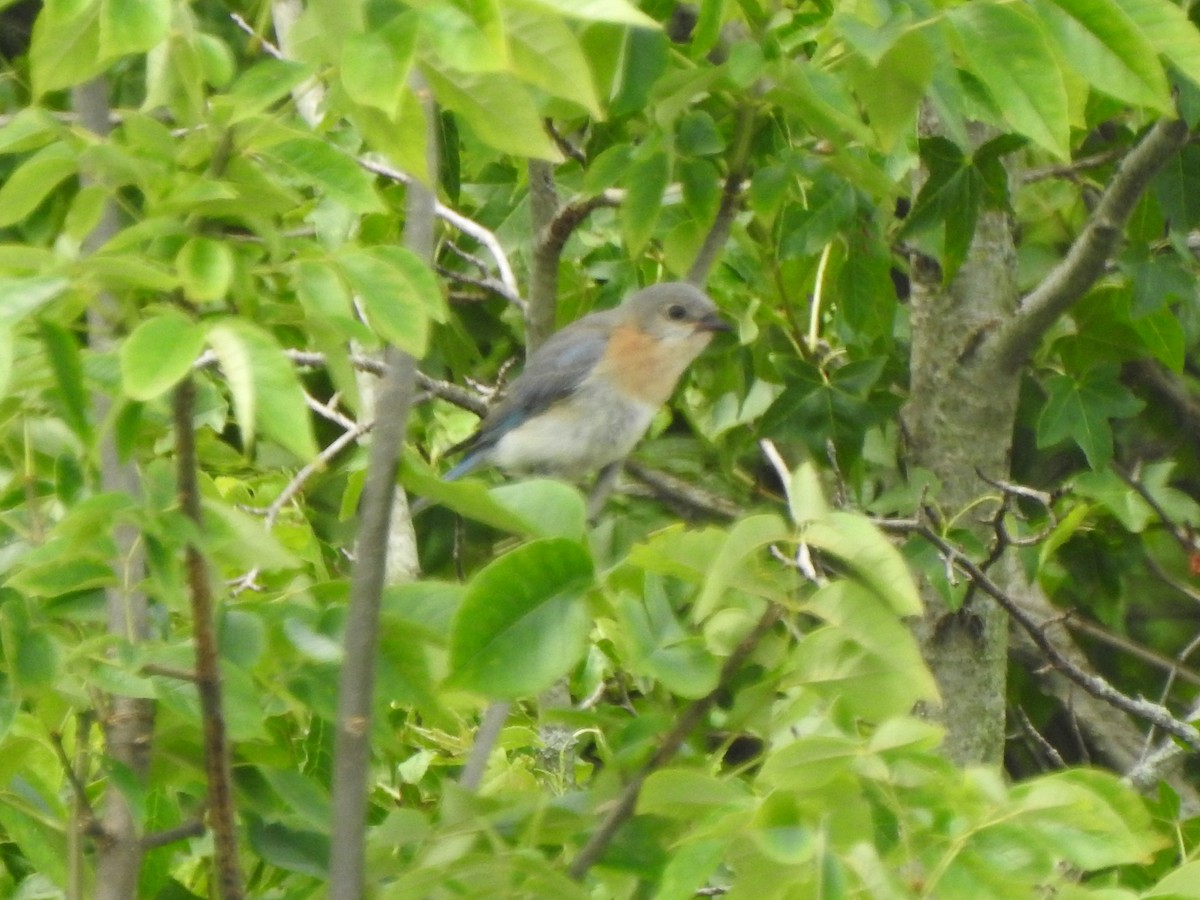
(588, 394)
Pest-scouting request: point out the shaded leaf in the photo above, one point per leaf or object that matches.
(267, 395)
(1081, 409)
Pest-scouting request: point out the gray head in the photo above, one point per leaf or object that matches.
(673, 311)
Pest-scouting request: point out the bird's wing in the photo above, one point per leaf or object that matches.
(554, 371)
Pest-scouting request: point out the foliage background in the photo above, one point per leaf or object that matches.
(227, 232)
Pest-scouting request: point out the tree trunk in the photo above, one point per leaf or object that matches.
(959, 421)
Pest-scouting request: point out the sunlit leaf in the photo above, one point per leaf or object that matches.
(158, 354)
(523, 621)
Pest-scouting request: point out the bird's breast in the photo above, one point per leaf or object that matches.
(644, 368)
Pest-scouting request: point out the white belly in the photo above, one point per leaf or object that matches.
(566, 443)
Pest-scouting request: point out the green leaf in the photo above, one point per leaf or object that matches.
(809, 762)
(239, 541)
(865, 659)
(855, 540)
(132, 26)
(399, 293)
(158, 354)
(817, 409)
(662, 649)
(24, 295)
(260, 86)
(34, 180)
(1163, 335)
(619, 12)
(1177, 189)
(1179, 884)
(65, 49)
(1108, 48)
(892, 89)
(1081, 409)
(551, 508)
(546, 53)
(267, 395)
(745, 541)
(316, 164)
(375, 64)
(523, 622)
(645, 183)
(1008, 52)
(62, 349)
(948, 203)
(326, 300)
(293, 849)
(7, 351)
(28, 129)
(1088, 818)
(497, 108)
(688, 794)
(1171, 32)
(205, 269)
(62, 575)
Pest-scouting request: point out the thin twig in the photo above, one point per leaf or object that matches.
(731, 200)
(1039, 741)
(675, 490)
(77, 787)
(692, 715)
(470, 227)
(1071, 169)
(268, 48)
(190, 829)
(1098, 687)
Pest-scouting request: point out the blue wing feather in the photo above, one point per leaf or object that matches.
(554, 372)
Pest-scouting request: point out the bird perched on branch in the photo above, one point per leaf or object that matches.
(588, 394)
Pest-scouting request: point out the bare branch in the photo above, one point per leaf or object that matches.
(1035, 737)
(218, 768)
(190, 829)
(469, 227)
(268, 48)
(541, 313)
(1071, 169)
(486, 736)
(383, 516)
(1085, 260)
(731, 199)
(682, 493)
(1098, 687)
(571, 216)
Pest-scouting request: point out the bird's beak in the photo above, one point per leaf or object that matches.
(713, 322)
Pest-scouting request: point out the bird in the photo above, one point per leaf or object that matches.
(589, 393)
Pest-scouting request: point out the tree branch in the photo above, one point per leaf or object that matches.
(1084, 261)
(692, 715)
(486, 736)
(508, 281)
(128, 725)
(217, 764)
(541, 313)
(1154, 713)
(718, 234)
(380, 513)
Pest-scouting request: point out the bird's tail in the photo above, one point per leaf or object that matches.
(466, 465)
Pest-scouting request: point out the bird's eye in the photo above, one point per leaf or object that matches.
(675, 312)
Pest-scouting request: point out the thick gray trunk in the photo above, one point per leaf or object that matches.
(959, 422)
